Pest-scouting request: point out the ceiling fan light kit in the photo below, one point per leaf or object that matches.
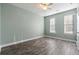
(45, 6)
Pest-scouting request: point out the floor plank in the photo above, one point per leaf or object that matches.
(42, 46)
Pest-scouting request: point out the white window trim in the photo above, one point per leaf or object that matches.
(52, 31)
(70, 32)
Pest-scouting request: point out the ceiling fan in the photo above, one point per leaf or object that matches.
(46, 6)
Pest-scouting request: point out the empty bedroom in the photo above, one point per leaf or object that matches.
(39, 29)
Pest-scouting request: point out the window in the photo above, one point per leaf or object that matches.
(68, 24)
(52, 25)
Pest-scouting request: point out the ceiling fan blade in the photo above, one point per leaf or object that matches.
(50, 4)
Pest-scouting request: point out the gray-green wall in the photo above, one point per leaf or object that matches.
(19, 24)
(60, 25)
(0, 24)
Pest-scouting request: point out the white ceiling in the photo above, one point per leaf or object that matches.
(55, 8)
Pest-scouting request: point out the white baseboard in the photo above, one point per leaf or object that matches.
(61, 38)
(34, 39)
(21, 41)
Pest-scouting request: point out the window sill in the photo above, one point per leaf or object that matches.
(68, 33)
(52, 32)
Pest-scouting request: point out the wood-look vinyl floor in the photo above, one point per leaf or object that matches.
(42, 46)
